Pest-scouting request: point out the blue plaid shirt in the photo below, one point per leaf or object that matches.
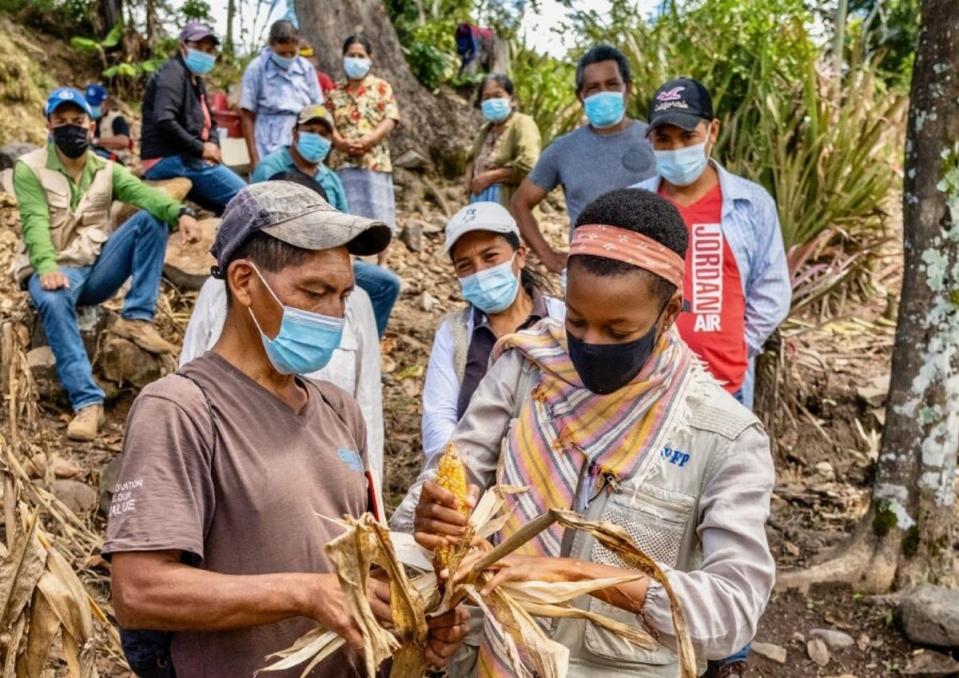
(750, 225)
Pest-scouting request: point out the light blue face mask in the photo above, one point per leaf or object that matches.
(605, 109)
(496, 110)
(199, 63)
(313, 147)
(356, 68)
(282, 61)
(96, 112)
(492, 290)
(305, 342)
(682, 166)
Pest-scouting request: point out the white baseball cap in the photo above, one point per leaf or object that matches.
(480, 216)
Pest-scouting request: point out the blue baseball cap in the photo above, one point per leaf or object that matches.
(95, 93)
(66, 95)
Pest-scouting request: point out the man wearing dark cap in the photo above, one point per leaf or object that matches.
(179, 133)
(737, 284)
(234, 467)
(71, 254)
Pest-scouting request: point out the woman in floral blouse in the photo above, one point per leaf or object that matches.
(365, 112)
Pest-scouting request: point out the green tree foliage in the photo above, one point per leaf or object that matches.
(824, 145)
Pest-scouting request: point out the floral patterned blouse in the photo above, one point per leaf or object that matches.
(358, 110)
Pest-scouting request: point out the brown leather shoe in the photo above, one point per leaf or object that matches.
(85, 423)
(143, 334)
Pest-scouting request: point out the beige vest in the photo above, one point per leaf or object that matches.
(106, 125)
(659, 507)
(77, 235)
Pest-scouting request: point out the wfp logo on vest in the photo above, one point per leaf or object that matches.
(675, 457)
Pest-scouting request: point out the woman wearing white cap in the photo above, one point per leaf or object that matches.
(503, 297)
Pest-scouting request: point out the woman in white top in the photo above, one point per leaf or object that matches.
(503, 297)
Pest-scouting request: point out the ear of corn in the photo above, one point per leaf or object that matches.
(451, 475)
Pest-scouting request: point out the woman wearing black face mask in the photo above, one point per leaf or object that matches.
(612, 416)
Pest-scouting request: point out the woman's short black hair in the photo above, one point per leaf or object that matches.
(602, 53)
(283, 32)
(358, 39)
(636, 210)
(500, 79)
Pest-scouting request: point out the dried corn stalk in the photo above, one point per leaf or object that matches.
(40, 597)
(510, 609)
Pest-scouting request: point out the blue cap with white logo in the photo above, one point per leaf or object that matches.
(95, 93)
(66, 95)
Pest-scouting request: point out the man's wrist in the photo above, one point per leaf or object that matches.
(185, 211)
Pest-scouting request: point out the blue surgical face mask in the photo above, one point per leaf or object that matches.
(356, 68)
(492, 290)
(96, 112)
(682, 166)
(496, 110)
(282, 61)
(199, 63)
(305, 342)
(313, 147)
(605, 109)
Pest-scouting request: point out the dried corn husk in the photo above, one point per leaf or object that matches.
(510, 609)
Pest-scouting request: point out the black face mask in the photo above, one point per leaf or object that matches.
(71, 140)
(605, 368)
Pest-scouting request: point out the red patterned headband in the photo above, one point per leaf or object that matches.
(630, 247)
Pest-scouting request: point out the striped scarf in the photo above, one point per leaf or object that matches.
(563, 425)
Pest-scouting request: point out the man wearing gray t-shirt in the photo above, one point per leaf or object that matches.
(610, 152)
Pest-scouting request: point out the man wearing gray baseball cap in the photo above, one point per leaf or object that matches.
(213, 530)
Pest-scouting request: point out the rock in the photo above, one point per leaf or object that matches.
(78, 497)
(6, 184)
(123, 362)
(42, 364)
(411, 160)
(428, 302)
(10, 152)
(817, 651)
(770, 651)
(412, 236)
(437, 224)
(188, 265)
(177, 188)
(930, 616)
(825, 471)
(109, 477)
(62, 468)
(862, 642)
(874, 392)
(835, 640)
(929, 663)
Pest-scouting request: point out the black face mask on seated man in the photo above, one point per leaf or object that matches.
(72, 140)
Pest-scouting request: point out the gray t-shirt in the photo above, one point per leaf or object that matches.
(243, 498)
(587, 164)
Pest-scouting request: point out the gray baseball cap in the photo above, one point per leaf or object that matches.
(296, 215)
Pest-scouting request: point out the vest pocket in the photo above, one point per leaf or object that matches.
(656, 520)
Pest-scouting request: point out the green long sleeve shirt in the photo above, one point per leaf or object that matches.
(35, 212)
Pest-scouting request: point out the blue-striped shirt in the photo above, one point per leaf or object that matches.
(750, 225)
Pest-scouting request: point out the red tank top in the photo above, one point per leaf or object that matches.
(715, 325)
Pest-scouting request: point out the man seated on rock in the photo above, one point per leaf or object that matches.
(111, 136)
(235, 468)
(354, 365)
(72, 256)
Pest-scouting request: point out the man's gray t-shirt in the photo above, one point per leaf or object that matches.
(587, 164)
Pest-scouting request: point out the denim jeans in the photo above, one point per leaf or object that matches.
(213, 185)
(382, 285)
(135, 249)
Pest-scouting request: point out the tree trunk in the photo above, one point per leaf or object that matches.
(907, 536)
(439, 127)
(153, 22)
(915, 481)
(230, 20)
